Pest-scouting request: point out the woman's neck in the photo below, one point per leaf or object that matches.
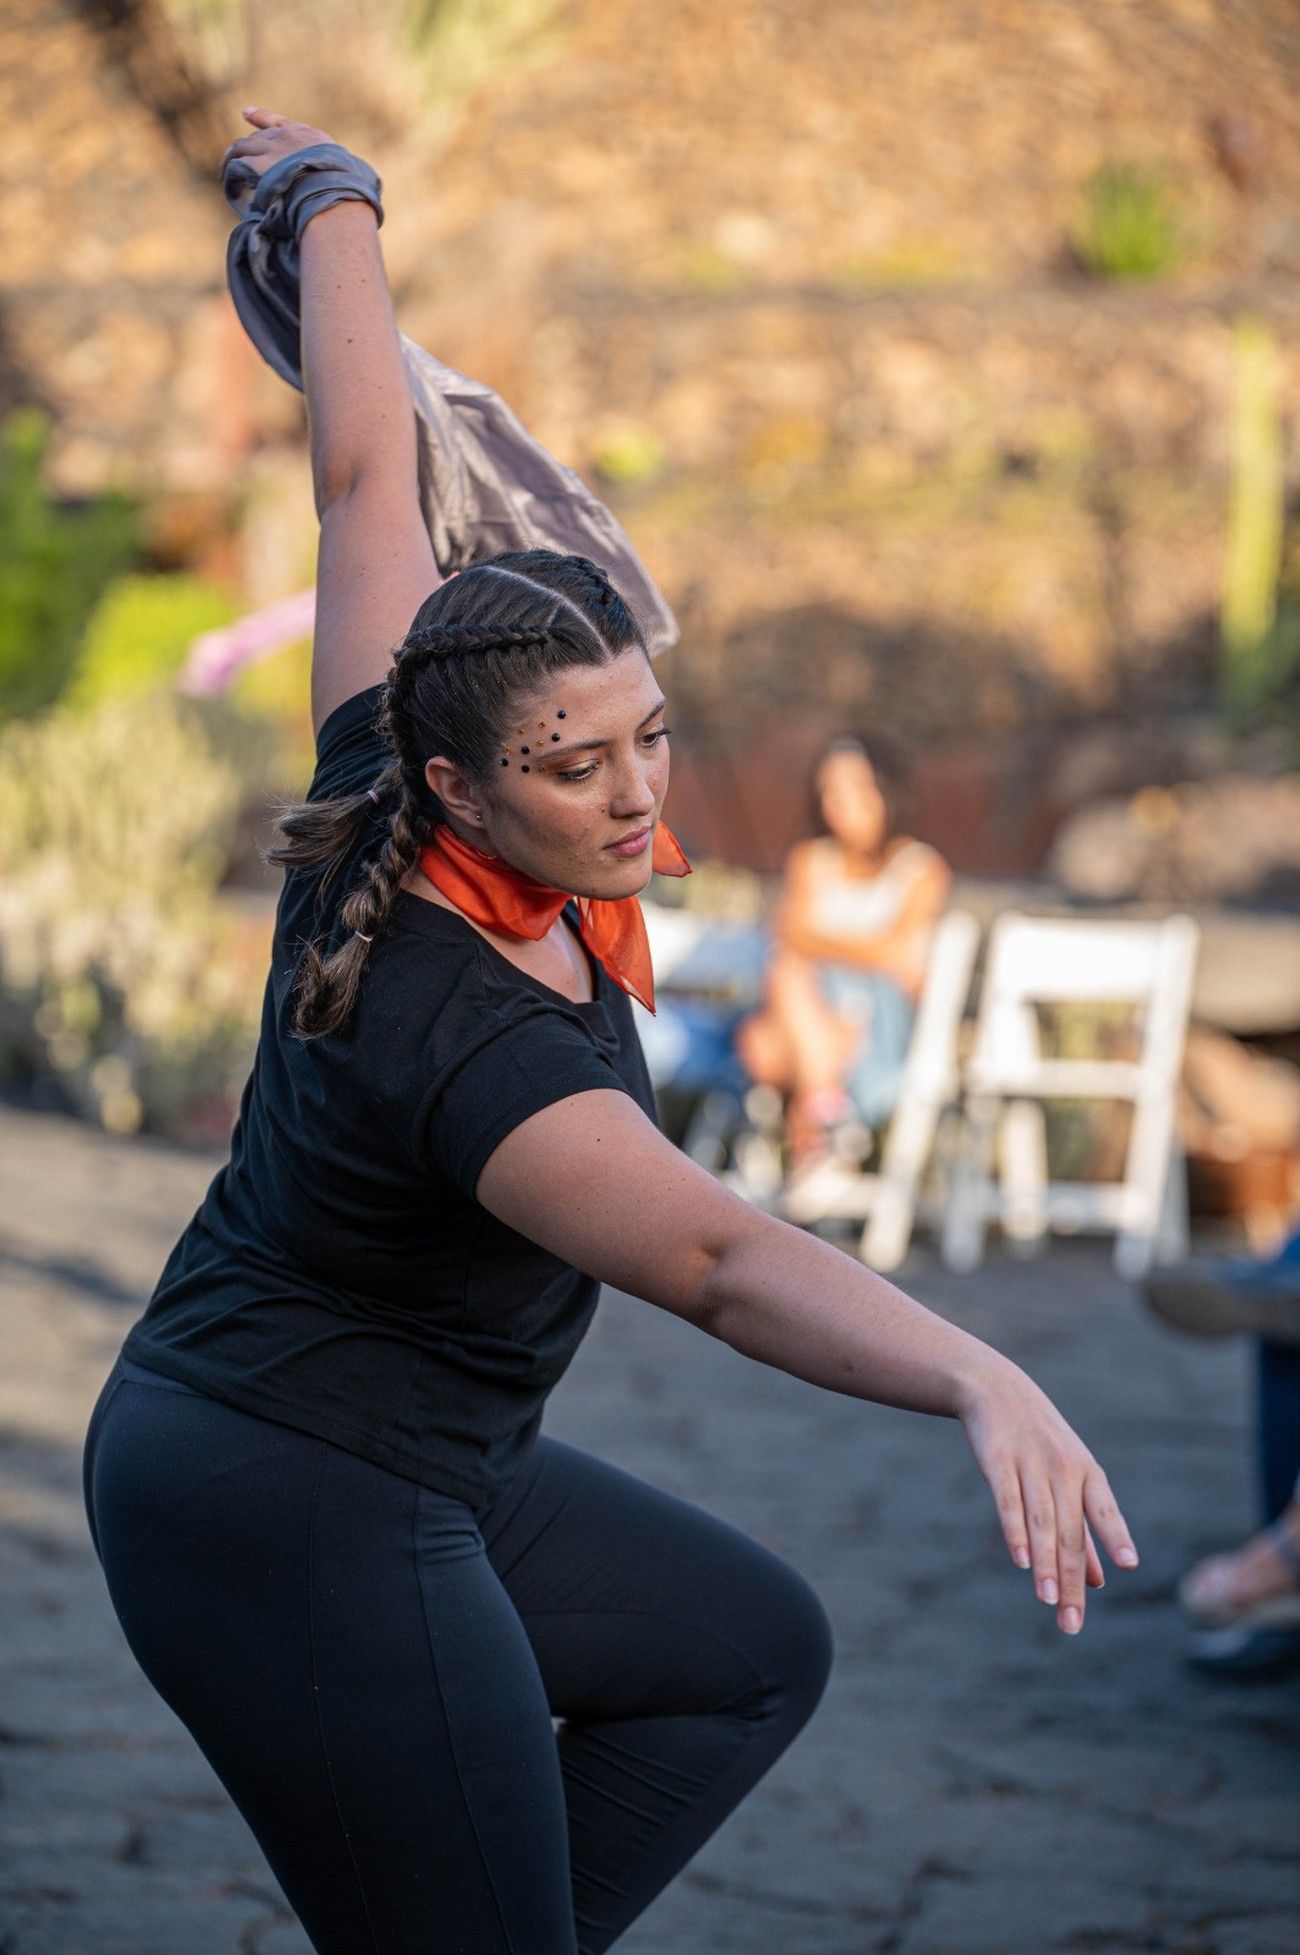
(865, 862)
(559, 959)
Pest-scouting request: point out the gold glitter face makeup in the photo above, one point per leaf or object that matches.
(561, 714)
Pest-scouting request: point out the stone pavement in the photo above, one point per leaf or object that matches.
(974, 1782)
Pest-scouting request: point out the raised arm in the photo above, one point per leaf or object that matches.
(375, 565)
(634, 1211)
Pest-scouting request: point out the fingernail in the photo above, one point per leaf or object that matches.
(1070, 1622)
(1126, 1557)
(1050, 1591)
(1022, 1557)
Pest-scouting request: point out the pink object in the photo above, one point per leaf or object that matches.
(215, 656)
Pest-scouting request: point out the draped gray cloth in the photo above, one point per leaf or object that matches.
(485, 483)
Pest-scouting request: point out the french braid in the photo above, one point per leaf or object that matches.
(480, 643)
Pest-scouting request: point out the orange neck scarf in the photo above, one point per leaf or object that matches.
(494, 894)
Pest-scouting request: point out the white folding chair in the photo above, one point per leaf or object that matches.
(886, 1201)
(1036, 961)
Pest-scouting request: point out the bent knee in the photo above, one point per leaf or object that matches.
(799, 1646)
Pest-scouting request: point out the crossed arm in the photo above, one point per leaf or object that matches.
(630, 1208)
(899, 951)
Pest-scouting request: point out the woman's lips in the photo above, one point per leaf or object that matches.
(631, 844)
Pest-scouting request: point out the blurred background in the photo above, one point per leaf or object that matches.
(941, 362)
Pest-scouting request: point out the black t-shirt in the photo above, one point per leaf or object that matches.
(339, 1276)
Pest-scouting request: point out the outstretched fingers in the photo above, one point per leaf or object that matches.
(1049, 1491)
(1045, 1545)
(1096, 1579)
(1102, 1510)
(1071, 1551)
(1045, 1526)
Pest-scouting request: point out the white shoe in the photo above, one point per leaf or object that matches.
(817, 1188)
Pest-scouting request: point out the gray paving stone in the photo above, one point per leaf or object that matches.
(974, 1783)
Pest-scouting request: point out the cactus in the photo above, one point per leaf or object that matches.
(1127, 226)
(1248, 637)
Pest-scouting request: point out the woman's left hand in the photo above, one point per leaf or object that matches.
(1046, 1486)
(273, 136)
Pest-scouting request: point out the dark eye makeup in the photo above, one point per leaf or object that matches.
(585, 773)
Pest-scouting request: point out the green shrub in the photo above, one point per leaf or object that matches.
(140, 631)
(55, 559)
(463, 46)
(1128, 224)
(629, 453)
(122, 975)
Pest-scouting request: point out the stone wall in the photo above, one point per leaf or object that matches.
(794, 285)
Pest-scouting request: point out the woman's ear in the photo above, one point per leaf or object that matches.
(457, 795)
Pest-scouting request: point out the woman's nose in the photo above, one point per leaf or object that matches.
(634, 789)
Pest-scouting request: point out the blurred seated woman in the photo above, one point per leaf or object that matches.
(852, 931)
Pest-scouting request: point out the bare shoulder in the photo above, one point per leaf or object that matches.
(925, 870)
(812, 857)
(919, 856)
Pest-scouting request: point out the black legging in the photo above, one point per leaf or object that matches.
(373, 1676)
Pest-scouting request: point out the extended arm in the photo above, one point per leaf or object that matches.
(375, 566)
(632, 1210)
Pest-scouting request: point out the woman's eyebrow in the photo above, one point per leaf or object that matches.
(582, 746)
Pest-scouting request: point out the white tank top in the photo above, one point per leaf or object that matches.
(842, 908)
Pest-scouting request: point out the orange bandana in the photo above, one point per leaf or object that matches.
(491, 892)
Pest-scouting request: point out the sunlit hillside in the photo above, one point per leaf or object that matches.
(903, 338)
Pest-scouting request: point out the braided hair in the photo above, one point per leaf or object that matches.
(480, 644)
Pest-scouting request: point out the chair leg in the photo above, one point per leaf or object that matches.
(888, 1228)
(962, 1243)
(759, 1170)
(1148, 1171)
(1173, 1229)
(1022, 1153)
(712, 1124)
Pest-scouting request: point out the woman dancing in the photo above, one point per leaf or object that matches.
(470, 1687)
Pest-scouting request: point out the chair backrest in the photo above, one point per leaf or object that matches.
(693, 951)
(1036, 960)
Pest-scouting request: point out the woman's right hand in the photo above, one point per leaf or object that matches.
(273, 136)
(1046, 1486)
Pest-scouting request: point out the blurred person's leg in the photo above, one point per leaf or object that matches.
(886, 1015)
(1259, 1581)
(1223, 1296)
(1277, 1376)
(799, 1043)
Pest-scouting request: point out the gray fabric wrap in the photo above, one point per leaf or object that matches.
(485, 484)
